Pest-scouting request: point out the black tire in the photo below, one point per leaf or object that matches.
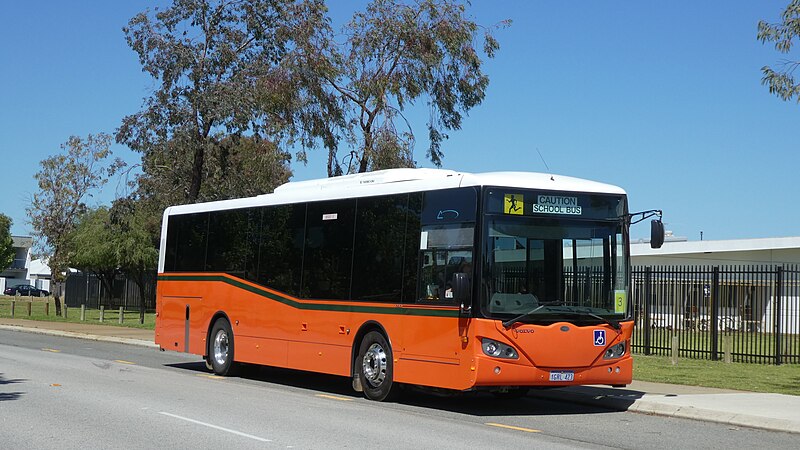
(375, 368)
(511, 393)
(221, 348)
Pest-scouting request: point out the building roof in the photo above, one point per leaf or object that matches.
(733, 245)
(22, 241)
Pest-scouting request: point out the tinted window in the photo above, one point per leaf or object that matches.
(378, 251)
(281, 251)
(232, 242)
(411, 262)
(449, 206)
(328, 255)
(188, 231)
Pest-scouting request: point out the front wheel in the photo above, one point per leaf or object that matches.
(375, 368)
(220, 348)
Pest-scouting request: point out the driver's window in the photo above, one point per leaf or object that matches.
(445, 251)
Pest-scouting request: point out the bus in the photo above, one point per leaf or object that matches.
(499, 281)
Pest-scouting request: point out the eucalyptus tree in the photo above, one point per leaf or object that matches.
(783, 35)
(66, 181)
(393, 54)
(207, 121)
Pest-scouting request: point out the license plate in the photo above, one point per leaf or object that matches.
(562, 375)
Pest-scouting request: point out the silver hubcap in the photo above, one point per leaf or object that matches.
(221, 347)
(374, 365)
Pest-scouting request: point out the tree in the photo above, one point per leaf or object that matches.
(107, 242)
(65, 181)
(136, 248)
(92, 245)
(781, 82)
(395, 54)
(7, 252)
(203, 126)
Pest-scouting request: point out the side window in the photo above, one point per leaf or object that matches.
(378, 249)
(411, 254)
(190, 232)
(328, 252)
(445, 250)
(232, 247)
(446, 241)
(281, 251)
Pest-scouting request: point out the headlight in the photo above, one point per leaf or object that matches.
(498, 350)
(615, 351)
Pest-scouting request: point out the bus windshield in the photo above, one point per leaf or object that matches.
(550, 269)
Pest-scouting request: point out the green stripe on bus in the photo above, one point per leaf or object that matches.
(312, 306)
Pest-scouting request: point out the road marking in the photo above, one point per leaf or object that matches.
(510, 427)
(227, 430)
(334, 397)
(51, 350)
(213, 377)
(122, 361)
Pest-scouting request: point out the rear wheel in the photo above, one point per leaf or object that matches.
(220, 348)
(375, 368)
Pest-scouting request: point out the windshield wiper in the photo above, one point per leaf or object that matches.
(614, 324)
(510, 323)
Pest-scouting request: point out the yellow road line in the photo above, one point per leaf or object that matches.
(213, 377)
(334, 397)
(121, 361)
(51, 350)
(510, 427)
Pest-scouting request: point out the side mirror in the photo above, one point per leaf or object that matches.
(656, 234)
(461, 292)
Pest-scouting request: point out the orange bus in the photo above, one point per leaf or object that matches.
(498, 281)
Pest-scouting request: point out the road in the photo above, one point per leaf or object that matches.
(70, 393)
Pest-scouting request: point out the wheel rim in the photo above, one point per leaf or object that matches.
(221, 346)
(374, 365)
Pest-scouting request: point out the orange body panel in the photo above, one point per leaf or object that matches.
(431, 345)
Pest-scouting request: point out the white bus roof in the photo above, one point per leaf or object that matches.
(395, 181)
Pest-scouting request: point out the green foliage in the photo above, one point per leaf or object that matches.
(394, 54)
(6, 243)
(781, 82)
(65, 181)
(209, 124)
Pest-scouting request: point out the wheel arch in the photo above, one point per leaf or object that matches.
(366, 327)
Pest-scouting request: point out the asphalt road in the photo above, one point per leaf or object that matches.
(70, 393)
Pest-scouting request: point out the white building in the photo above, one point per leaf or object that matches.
(23, 269)
(735, 252)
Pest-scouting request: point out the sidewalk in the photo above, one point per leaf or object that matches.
(108, 333)
(774, 412)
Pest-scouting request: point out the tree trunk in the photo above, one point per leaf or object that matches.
(197, 173)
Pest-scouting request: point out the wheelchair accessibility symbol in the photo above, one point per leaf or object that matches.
(599, 338)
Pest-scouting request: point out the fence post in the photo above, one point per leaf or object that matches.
(102, 313)
(30, 303)
(648, 291)
(715, 314)
(121, 312)
(13, 304)
(47, 308)
(776, 305)
(83, 312)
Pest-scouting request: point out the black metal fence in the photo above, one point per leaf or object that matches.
(744, 313)
(87, 289)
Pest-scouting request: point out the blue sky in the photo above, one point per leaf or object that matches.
(661, 98)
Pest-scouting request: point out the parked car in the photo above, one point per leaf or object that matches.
(26, 290)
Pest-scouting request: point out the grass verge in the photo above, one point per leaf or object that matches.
(783, 379)
(38, 311)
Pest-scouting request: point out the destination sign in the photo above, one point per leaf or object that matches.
(556, 204)
(517, 202)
